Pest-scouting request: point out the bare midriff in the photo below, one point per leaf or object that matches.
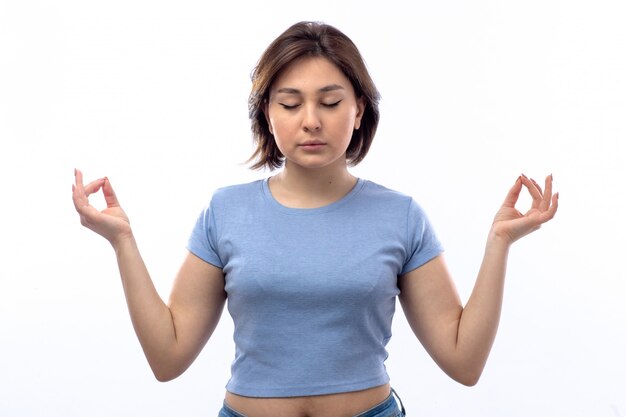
(345, 404)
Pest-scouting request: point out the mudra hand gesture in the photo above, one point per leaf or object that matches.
(510, 224)
(111, 223)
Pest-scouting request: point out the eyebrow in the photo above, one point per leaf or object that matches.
(326, 89)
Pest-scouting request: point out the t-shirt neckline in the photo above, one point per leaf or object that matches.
(310, 211)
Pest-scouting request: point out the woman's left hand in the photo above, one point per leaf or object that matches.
(510, 224)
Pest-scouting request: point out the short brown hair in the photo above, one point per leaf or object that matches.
(310, 39)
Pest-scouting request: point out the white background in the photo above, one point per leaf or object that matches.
(153, 94)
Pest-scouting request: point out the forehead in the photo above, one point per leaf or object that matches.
(310, 73)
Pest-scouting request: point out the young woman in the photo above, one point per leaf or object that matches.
(311, 259)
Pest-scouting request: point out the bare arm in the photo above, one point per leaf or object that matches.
(173, 334)
(460, 338)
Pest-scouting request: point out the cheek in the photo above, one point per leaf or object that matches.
(278, 120)
(280, 127)
(283, 132)
(349, 122)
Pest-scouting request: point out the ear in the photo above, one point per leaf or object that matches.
(265, 110)
(360, 110)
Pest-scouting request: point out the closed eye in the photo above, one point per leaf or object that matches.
(294, 106)
(288, 107)
(331, 104)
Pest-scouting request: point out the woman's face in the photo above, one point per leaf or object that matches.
(312, 112)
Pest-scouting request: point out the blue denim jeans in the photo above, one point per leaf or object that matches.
(388, 408)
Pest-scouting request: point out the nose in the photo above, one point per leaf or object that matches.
(311, 121)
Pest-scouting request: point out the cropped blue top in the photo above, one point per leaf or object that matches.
(311, 292)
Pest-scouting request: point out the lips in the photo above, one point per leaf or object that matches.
(313, 142)
(312, 145)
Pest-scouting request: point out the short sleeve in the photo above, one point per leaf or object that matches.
(203, 239)
(422, 242)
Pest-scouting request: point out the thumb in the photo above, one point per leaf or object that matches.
(513, 194)
(109, 194)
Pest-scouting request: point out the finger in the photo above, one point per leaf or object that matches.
(90, 188)
(547, 195)
(79, 198)
(513, 194)
(78, 178)
(536, 184)
(78, 192)
(550, 212)
(109, 194)
(81, 194)
(79, 189)
(535, 194)
(93, 187)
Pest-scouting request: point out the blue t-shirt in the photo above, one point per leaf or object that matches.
(311, 292)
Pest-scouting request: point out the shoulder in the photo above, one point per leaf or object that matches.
(237, 193)
(376, 189)
(239, 189)
(385, 200)
(382, 195)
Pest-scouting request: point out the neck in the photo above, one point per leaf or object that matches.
(301, 187)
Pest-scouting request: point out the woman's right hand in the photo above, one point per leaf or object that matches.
(111, 223)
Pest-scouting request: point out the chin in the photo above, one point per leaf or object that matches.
(315, 165)
(319, 161)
